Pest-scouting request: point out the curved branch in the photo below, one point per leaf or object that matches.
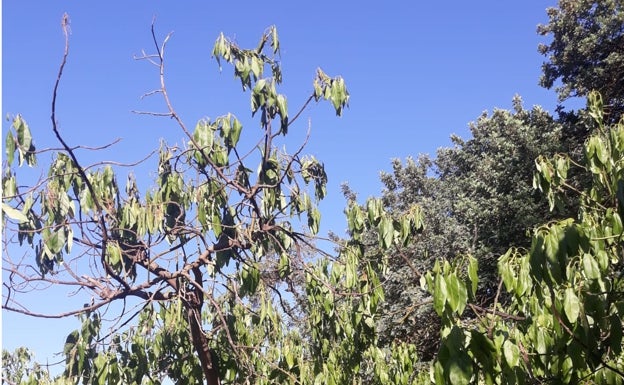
(81, 171)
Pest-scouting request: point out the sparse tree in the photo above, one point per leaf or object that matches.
(212, 274)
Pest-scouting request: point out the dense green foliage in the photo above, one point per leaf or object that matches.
(563, 322)
(477, 198)
(586, 51)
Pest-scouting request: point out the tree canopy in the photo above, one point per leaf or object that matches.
(498, 261)
(563, 320)
(217, 258)
(477, 199)
(586, 51)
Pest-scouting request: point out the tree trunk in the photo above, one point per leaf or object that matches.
(193, 303)
(200, 343)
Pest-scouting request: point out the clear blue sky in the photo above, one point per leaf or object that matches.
(417, 72)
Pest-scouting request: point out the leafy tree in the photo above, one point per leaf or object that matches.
(477, 197)
(563, 322)
(212, 274)
(586, 51)
(18, 368)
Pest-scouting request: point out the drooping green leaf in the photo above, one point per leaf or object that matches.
(14, 213)
(282, 107)
(10, 147)
(482, 348)
(274, 40)
(473, 268)
(284, 265)
(511, 353)
(460, 370)
(440, 294)
(457, 294)
(24, 137)
(571, 305)
(9, 186)
(386, 232)
(314, 220)
(590, 267)
(237, 128)
(113, 253)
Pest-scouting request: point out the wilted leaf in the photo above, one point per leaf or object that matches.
(14, 213)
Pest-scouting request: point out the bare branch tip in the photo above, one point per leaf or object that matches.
(65, 24)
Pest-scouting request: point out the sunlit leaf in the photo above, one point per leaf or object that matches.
(457, 295)
(590, 267)
(386, 232)
(440, 294)
(511, 353)
(14, 213)
(571, 305)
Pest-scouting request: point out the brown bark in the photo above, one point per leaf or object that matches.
(193, 304)
(200, 342)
